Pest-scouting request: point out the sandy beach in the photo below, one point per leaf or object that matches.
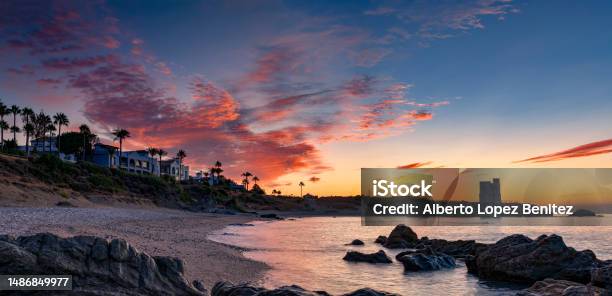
(159, 232)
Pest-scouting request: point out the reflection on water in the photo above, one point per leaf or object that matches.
(308, 252)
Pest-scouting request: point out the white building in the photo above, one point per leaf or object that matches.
(139, 162)
(171, 167)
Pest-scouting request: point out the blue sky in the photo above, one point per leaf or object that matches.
(296, 89)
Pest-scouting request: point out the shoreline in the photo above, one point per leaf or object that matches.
(156, 231)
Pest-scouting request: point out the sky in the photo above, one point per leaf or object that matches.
(315, 90)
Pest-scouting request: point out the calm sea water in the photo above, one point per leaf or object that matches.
(308, 252)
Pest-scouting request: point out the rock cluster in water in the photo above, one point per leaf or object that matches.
(518, 258)
(228, 289)
(546, 262)
(97, 266)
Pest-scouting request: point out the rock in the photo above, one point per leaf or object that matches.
(584, 213)
(401, 236)
(119, 249)
(229, 289)
(518, 258)
(426, 260)
(271, 216)
(241, 224)
(602, 277)
(98, 267)
(381, 239)
(457, 249)
(551, 287)
(378, 257)
(66, 204)
(199, 286)
(369, 292)
(356, 242)
(222, 211)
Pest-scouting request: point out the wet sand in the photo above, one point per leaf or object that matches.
(159, 232)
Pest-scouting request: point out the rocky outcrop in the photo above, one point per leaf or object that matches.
(401, 236)
(228, 289)
(518, 258)
(98, 266)
(552, 287)
(378, 257)
(356, 242)
(381, 239)
(602, 277)
(425, 260)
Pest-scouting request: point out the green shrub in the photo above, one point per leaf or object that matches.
(103, 182)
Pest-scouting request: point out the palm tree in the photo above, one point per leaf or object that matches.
(15, 110)
(180, 155)
(216, 169)
(161, 153)
(40, 122)
(86, 132)
(51, 128)
(255, 179)
(3, 112)
(111, 154)
(28, 128)
(121, 134)
(60, 119)
(152, 152)
(245, 182)
(301, 186)
(3, 126)
(26, 117)
(246, 176)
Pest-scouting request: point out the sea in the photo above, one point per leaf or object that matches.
(308, 252)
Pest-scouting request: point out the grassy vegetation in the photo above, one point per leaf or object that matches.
(90, 179)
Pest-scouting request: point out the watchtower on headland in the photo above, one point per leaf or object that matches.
(490, 192)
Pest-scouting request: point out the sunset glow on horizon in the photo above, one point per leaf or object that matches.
(305, 91)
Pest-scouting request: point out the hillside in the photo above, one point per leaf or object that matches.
(47, 181)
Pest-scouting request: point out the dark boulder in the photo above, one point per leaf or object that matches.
(98, 267)
(356, 242)
(381, 239)
(602, 277)
(425, 260)
(401, 236)
(199, 286)
(228, 289)
(378, 257)
(369, 292)
(271, 216)
(583, 213)
(518, 258)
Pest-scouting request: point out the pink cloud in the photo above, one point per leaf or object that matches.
(593, 148)
(414, 165)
